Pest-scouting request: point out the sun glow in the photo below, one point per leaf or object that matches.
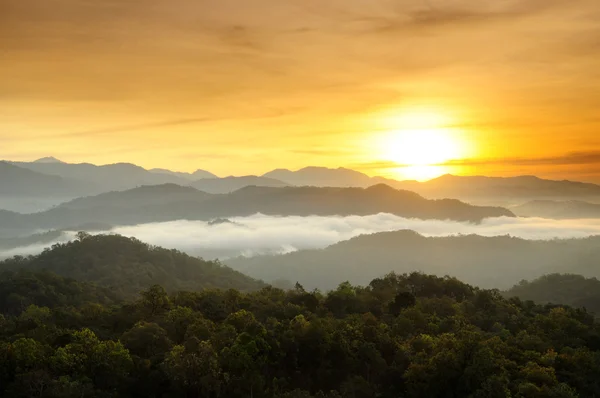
(422, 147)
(420, 142)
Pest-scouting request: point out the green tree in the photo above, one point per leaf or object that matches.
(155, 300)
(194, 369)
(401, 301)
(146, 340)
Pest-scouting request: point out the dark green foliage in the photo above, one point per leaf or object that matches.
(401, 336)
(401, 301)
(20, 289)
(568, 289)
(128, 266)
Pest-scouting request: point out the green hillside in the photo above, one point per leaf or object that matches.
(127, 266)
(569, 289)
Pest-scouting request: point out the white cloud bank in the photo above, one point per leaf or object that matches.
(264, 234)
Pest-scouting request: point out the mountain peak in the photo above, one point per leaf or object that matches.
(444, 177)
(200, 173)
(48, 159)
(380, 188)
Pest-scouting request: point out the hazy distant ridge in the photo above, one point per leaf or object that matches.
(491, 262)
(50, 177)
(19, 181)
(558, 209)
(447, 186)
(173, 202)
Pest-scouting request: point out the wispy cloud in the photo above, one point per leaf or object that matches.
(166, 123)
(434, 15)
(323, 151)
(136, 127)
(591, 158)
(575, 158)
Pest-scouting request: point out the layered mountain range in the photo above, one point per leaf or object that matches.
(169, 202)
(35, 186)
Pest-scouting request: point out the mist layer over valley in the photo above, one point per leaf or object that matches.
(320, 251)
(263, 234)
(318, 226)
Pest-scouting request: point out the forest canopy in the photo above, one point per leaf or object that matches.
(410, 335)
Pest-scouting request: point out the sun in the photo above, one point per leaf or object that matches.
(420, 142)
(424, 147)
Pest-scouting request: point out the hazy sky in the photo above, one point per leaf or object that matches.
(244, 86)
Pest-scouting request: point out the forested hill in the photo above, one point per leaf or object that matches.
(491, 262)
(127, 266)
(569, 289)
(410, 336)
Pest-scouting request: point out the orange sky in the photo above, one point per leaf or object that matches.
(245, 86)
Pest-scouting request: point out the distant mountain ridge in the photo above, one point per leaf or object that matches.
(231, 183)
(48, 159)
(570, 209)
(87, 179)
(19, 181)
(196, 175)
(322, 177)
(469, 188)
(169, 202)
(507, 187)
(118, 176)
(145, 195)
(9, 217)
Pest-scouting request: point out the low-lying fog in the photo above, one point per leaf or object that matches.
(260, 234)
